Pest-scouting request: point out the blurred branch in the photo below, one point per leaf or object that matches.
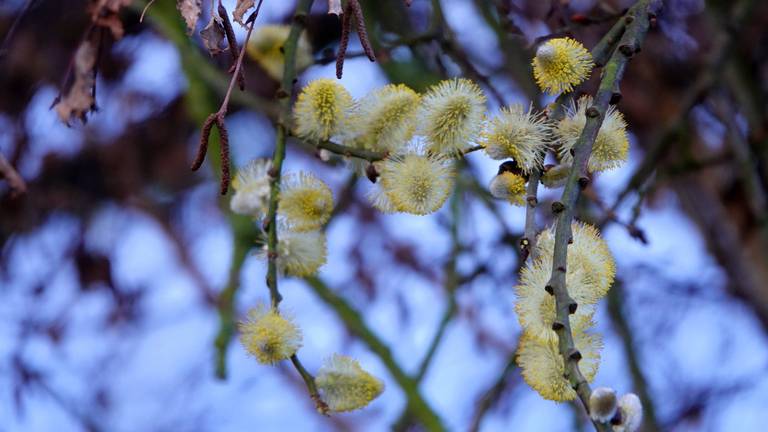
(12, 30)
(637, 26)
(746, 165)
(512, 43)
(417, 406)
(452, 47)
(370, 156)
(706, 78)
(491, 396)
(18, 187)
(451, 283)
(618, 315)
(200, 75)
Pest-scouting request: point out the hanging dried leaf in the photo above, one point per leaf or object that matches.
(79, 100)
(212, 35)
(190, 11)
(240, 9)
(99, 7)
(104, 13)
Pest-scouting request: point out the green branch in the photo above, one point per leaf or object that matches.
(417, 406)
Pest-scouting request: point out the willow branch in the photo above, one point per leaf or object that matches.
(284, 94)
(370, 155)
(600, 54)
(637, 26)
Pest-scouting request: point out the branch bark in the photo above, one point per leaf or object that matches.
(637, 20)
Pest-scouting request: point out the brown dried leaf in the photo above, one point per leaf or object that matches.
(190, 11)
(213, 35)
(98, 7)
(240, 10)
(104, 13)
(79, 99)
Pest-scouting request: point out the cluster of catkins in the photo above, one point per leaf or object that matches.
(590, 271)
(421, 135)
(305, 204)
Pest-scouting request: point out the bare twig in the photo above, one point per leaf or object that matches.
(637, 19)
(289, 72)
(9, 35)
(370, 155)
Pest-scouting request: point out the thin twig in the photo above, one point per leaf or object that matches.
(289, 73)
(638, 22)
(370, 155)
(9, 36)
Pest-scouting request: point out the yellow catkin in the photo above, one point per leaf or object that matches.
(588, 252)
(517, 134)
(268, 336)
(306, 202)
(301, 254)
(415, 183)
(509, 186)
(345, 386)
(252, 186)
(543, 367)
(385, 119)
(535, 307)
(611, 147)
(560, 64)
(322, 110)
(265, 47)
(451, 115)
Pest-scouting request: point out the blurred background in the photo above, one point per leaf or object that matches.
(122, 272)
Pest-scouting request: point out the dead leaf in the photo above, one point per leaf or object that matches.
(79, 99)
(104, 13)
(240, 9)
(97, 8)
(190, 11)
(213, 35)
